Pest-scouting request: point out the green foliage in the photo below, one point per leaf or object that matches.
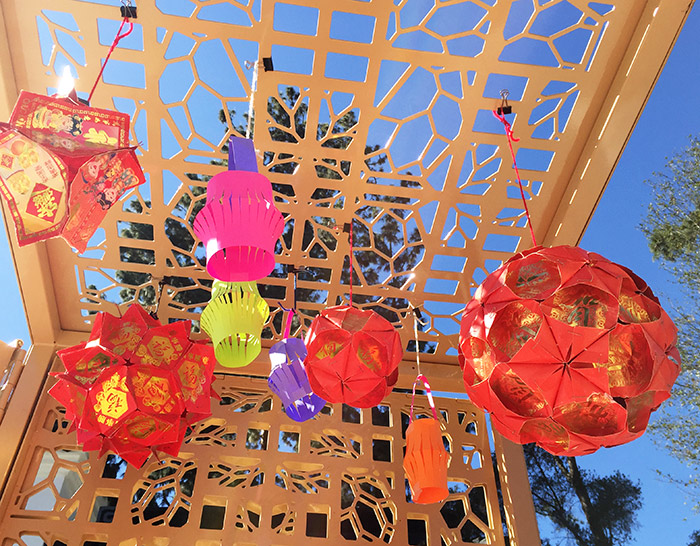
(672, 228)
(694, 539)
(588, 510)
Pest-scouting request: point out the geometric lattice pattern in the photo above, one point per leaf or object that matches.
(377, 113)
(249, 475)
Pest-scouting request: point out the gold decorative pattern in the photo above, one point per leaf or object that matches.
(378, 114)
(248, 474)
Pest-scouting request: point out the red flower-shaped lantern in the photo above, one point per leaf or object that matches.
(136, 385)
(353, 356)
(567, 349)
(63, 164)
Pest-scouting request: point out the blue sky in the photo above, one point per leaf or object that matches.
(671, 115)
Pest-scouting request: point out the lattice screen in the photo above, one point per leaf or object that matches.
(250, 476)
(377, 112)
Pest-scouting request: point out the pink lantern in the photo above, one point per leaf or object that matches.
(240, 224)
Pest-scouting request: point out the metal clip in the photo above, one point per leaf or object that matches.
(267, 64)
(127, 10)
(419, 315)
(504, 108)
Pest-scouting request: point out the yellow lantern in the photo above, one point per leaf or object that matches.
(234, 321)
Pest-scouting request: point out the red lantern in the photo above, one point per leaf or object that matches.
(63, 164)
(426, 460)
(353, 356)
(567, 349)
(136, 385)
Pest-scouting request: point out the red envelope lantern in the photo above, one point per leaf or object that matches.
(353, 356)
(135, 386)
(240, 224)
(426, 460)
(567, 349)
(62, 166)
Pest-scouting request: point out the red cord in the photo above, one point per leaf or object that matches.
(512, 138)
(351, 252)
(117, 39)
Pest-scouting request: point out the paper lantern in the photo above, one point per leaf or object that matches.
(353, 356)
(234, 320)
(62, 166)
(567, 349)
(239, 224)
(426, 459)
(135, 386)
(289, 381)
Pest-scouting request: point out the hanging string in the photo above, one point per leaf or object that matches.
(288, 325)
(512, 138)
(159, 295)
(415, 334)
(295, 271)
(118, 38)
(253, 89)
(428, 393)
(350, 262)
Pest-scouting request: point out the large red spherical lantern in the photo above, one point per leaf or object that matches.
(136, 385)
(567, 349)
(353, 356)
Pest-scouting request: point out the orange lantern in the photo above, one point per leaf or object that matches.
(426, 459)
(567, 349)
(135, 385)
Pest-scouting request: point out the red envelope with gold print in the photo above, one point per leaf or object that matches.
(62, 166)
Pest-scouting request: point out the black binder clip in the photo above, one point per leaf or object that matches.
(127, 10)
(504, 108)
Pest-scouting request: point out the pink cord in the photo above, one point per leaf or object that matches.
(117, 39)
(288, 326)
(350, 264)
(512, 138)
(428, 393)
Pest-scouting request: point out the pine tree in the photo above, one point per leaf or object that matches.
(672, 228)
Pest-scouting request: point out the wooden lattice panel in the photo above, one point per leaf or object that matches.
(378, 112)
(248, 475)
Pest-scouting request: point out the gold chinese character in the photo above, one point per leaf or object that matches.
(45, 203)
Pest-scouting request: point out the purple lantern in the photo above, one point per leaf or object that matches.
(288, 380)
(240, 224)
